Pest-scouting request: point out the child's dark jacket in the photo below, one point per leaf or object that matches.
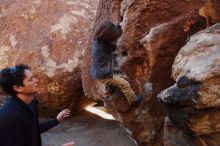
(102, 60)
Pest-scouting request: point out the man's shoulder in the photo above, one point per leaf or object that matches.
(8, 110)
(8, 105)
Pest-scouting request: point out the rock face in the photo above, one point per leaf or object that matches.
(153, 33)
(192, 104)
(87, 129)
(53, 37)
(49, 36)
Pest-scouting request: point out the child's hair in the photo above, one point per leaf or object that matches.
(107, 32)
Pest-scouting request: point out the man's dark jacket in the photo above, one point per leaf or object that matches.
(19, 125)
(102, 60)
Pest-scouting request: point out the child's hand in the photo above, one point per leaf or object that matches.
(123, 76)
(68, 144)
(63, 114)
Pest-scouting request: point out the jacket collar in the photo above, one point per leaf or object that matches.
(109, 46)
(21, 103)
(18, 101)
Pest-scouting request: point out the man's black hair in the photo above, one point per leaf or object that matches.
(12, 76)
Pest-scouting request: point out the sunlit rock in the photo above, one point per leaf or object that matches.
(153, 34)
(192, 104)
(49, 36)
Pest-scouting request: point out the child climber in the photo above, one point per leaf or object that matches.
(103, 45)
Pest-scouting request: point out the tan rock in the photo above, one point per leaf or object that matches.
(45, 35)
(153, 33)
(192, 104)
(199, 60)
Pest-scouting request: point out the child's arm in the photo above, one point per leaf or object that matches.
(113, 48)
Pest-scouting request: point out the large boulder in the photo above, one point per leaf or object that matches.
(49, 36)
(153, 33)
(193, 103)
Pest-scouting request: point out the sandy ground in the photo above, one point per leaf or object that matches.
(87, 130)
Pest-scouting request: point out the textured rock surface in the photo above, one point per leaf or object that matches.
(49, 36)
(153, 33)
(87, 129)
(192, 104)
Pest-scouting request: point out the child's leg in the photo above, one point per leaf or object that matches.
(103, 84)
(125, 88)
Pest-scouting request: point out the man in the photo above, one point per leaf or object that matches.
(19, 125)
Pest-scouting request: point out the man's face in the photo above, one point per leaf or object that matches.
(30, 84)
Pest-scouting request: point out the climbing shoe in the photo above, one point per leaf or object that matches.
(107, 92)
(107, 95)
(138, 98)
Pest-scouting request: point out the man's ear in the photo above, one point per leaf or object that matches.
(18, 88)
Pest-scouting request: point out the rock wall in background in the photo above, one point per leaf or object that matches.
(153, 34)
(54, 38)
(49, 36)
(193, 103)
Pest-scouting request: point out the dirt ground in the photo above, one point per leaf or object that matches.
(88, 129)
